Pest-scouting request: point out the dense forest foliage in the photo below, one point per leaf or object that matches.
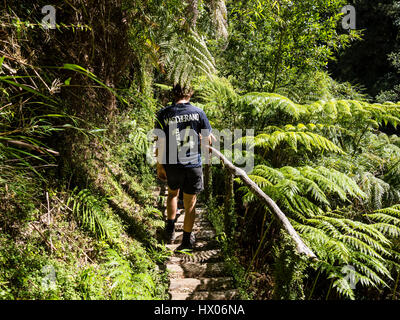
(79, 209)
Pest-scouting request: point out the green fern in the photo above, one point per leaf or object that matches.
(331, 172)
(187, 57)
(126, 284)
(337, 240)
(268, 104)
(90, 213)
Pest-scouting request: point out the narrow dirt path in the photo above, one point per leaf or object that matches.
(201, 275)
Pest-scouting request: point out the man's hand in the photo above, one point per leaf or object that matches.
(162, 175)
(210, 139)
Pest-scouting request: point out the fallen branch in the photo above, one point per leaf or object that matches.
(49, 244)
(300, 245)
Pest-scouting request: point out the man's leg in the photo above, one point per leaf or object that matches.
(180, 200)
(172, 204)
(189, 202)
(191, 187)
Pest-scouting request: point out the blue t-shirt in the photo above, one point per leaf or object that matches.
(182, 125)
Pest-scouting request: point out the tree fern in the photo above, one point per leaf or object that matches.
(266, 104)
(292, 139)
(375, 189)
(331, 171)
(186, 57)
(315, 182)
(364, 244)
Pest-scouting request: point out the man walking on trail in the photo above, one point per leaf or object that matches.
(185, 129)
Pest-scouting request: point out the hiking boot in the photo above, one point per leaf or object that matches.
(187, 245)
(169, 235)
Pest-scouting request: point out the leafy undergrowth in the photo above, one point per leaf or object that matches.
(229, 251)
(74, 247)
(93, 240)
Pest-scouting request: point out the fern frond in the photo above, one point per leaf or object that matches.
(90, 213)
(343, 287)
(270, 103)
(374, 188)
(344, 181)
(309, 140)
(187, 57)
(387, 229)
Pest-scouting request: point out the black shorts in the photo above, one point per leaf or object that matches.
(189, 180)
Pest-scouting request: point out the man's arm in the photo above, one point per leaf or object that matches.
(207, 141)
(207, 138)
(160, 147)
(162, 175)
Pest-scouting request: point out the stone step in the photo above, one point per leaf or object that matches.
(197, 270)
(178, 213)
(200, 245)
(200, 274)
(204, 295)
(200, 209)
(197, 226)
(199, 234)
(197, 256)
(190, 285)
(200, 217)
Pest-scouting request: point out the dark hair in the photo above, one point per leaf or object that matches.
(179, 92)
